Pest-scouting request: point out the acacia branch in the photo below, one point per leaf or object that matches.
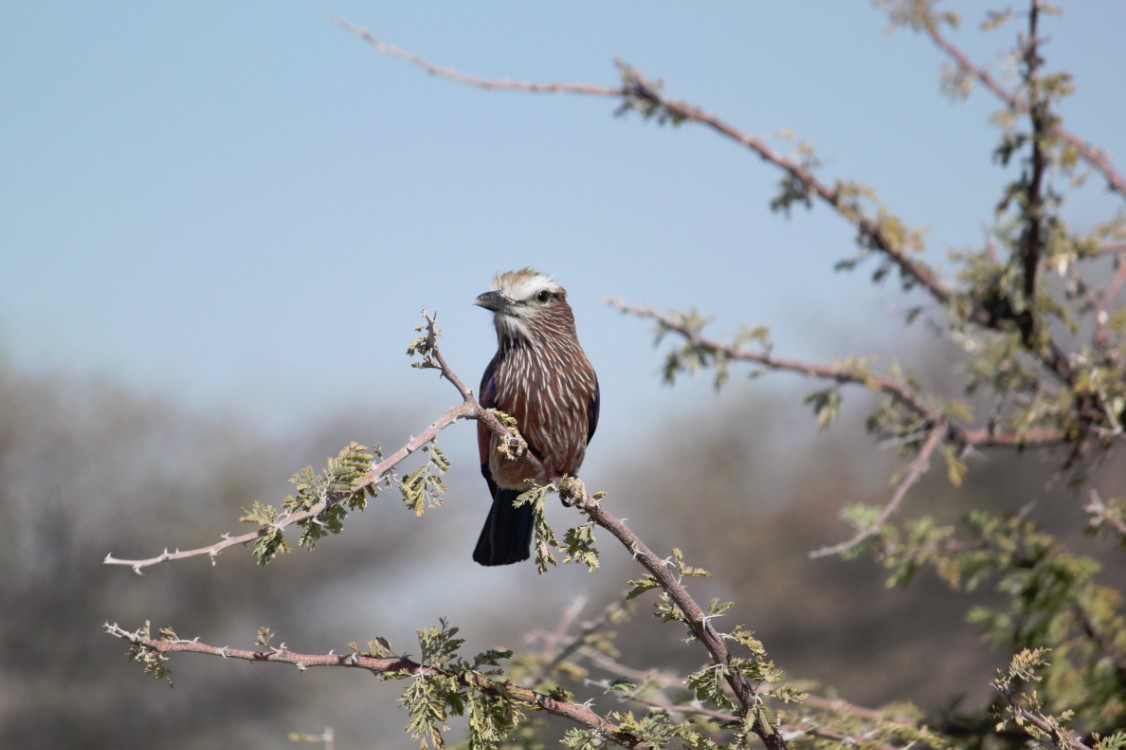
(398, 666)
(637, 88)
(461, 411)
(789, 729)
(669, 681)
(391, 666)
(1061, 737)
(576, 645)
(489, 84)
(468, 409)
(746, 693)
(898, 391)
(694, 617)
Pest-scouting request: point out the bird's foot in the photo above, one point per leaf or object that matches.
(571, 491)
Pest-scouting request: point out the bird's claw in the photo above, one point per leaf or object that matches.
(571, 491)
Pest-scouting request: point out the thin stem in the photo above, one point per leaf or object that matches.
(1095, 157)
(1034, 199)
(918, 467)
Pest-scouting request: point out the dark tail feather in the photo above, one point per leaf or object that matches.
(507, 536)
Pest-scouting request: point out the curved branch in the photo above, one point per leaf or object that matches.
(489, 84)
(746, 693)
(668, 680)
(638, 88)
(900, 392)
(577, 713)
(427, 348)
(461, 411)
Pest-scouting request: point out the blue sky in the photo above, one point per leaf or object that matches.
(242, 206)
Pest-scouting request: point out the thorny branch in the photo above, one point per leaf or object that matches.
(1060, 736)
(701, 626)
(451, 74)
(791, 730)
(914, 474)
(636, 88)
(746, 693)
(468, 409)
(461, 411)
(874, 234)
(382, 666)
(668, 680)
(900, 392)
(579, 713)
(559, 645)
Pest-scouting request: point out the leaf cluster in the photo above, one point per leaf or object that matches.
(578, 541)
(1051, 603)
(153, 661)
(449, 685)
(330, 493)
(1040, 347)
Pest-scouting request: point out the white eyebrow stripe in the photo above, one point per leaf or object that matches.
(523, 285)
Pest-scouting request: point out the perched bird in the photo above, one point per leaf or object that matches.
(541, 377)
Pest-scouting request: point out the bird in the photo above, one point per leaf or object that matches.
(541, 377)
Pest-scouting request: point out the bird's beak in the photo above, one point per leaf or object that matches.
(494, 301)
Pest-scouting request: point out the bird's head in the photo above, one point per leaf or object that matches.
(528, 305)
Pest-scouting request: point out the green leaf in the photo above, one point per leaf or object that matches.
(826, 406)
(955, 468)
(638, 587)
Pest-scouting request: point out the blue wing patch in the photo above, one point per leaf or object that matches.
(594, 409)
(487, 395)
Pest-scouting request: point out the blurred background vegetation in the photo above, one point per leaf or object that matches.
(742, 481)
(745, 486)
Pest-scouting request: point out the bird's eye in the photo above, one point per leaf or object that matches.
(543, 295)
